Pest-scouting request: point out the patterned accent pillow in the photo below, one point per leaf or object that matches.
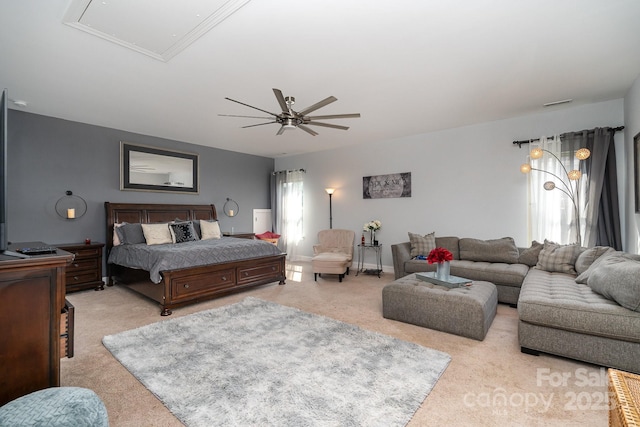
(558, 258)
(210, 230)
(157, 234)
(422, 245)
(183, 232)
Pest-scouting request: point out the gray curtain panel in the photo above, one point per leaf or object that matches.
(602, 216)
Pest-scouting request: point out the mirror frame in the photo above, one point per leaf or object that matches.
(125, 169)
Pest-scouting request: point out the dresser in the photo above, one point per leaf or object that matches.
(85, 272)
(32, 299)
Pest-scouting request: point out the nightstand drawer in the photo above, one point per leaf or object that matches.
(81, 277)
(80, 264)
(86, 252)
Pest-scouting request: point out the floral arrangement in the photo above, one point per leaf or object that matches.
(372, 225)
(439, 255)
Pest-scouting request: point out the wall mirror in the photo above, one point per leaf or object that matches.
(144, 168)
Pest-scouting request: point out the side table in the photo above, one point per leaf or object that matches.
(362, 249)
(239, 234)
(85, 271)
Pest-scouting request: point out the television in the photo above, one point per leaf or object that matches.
(3, 170)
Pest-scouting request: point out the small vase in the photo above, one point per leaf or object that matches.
(442, 270)
(373, 237)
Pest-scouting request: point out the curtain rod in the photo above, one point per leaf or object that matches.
(519, 143)
(289, 171)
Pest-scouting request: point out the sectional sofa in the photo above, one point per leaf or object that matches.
(572, 301)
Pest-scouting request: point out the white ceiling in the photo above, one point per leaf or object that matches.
(409, 67)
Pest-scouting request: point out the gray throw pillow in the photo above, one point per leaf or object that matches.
(588, 256)
(558, 258)
(130, 234)
(529, 256)
(422, 245)
(584, 276)
(618, 278)
(496, 250)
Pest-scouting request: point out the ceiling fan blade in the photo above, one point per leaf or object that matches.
(281, 101)
(249, 117)
(251, 106)
(281, 130)
(306, 129)
(317, 105)
(334, 116)
(327, 125)
(259, 124)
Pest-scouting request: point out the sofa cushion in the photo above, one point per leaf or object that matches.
(496, 250)
(558, 258)
(495, 272)
(618, 278)
(555, 300)
(422, 245)
(529, 256)
(588, 256)
(450, 243)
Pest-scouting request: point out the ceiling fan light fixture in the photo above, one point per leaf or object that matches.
(288, 124)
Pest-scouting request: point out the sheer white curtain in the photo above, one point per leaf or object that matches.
(287, 195)
(552, 214)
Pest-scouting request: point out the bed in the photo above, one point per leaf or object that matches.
(179, 286)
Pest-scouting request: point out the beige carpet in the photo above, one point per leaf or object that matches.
(487, 383)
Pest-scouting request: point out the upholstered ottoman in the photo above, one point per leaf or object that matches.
(56, 407)
(467, 311)
(330, 263)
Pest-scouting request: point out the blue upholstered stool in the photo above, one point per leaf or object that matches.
(55, 407)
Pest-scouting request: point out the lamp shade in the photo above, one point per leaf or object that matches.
(583, 154)
(525, 168)
(536, 153)
(574, 175)
(549, 185)
(329, 190)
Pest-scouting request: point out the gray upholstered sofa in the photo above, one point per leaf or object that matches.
(498, 261)
(573, 302)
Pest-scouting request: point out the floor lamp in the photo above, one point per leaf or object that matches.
(330, 193)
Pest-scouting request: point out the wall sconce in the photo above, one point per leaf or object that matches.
(573, 176)
(330, 193)
(71, 206)
(231, 208)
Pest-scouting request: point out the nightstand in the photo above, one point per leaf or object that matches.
(239, 234)
(85, 271)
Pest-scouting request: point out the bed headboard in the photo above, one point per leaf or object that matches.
(149, 213)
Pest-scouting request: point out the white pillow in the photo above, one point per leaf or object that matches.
(156, 234)
(116, 238)
(210, 230)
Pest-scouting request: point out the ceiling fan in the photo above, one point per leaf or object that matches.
(290, 119)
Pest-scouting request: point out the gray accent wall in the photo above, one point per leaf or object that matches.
(48, 156)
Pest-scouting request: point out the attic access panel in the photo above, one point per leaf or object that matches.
(160, 29)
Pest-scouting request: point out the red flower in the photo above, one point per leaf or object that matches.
(439, 255)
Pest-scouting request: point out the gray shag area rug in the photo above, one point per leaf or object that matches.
(258, 363)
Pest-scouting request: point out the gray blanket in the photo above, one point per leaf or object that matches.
(158, 258)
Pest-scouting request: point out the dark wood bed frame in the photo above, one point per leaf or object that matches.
(188, 285)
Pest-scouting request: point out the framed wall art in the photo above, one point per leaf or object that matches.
(386, 186)
(144, 168)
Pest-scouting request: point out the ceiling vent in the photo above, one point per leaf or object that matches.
(160, 30)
